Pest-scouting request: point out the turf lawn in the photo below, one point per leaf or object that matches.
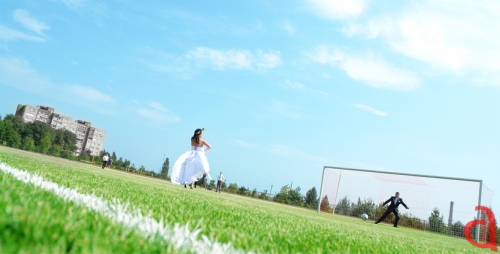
(37, 221)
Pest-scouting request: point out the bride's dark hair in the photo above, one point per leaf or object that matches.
(196, 135)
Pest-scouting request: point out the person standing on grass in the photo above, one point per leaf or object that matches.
(393, 208)
(220, 179)
(204, 180)
(105, 159)
(192, 164)
(110, 162)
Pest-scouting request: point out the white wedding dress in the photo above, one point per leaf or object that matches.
(189, 167)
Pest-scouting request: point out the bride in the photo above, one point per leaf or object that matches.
(192, 164)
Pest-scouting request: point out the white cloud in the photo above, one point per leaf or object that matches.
(269, 59)
(371, 110)
(289, 27)
(285, 110)
(29, 22)
(297, 86)
(339, 9)
(378, 73)
(322, 54)
(456, 36)
(233, 59)
(17, 73)
(322, 93)
(87, 93)
(367, 68)
(8, 34)
(155, 111)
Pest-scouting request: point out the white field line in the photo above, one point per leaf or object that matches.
(180, 236)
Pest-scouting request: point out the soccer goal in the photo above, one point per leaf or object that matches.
(437, 204)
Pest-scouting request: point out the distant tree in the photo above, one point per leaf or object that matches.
(17, 123)
(2, 129)
(243, 191)
(96, 159)
(343, 206)
(223, 186)
(67, 155)
(288, 195)
(66, 139)
(165, 167)
(142, 169)
(282, 196)
(45, 143)
(28, 144)
(102, 153)
(436, 223)
(211, 186)
(325, 205)
(55, 150)
(311, 199)
(254, 193)
(408, 220)
(263, 195)
(84, 157)
(119, 162)
(38, 130)
(456, 229)
(363, 206)
(133, 168)
(113, 156)
(9, 135)
(126, 163)
(59, 137)
(233, 188)
(295, 198)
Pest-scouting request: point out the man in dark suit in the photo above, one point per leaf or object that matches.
(393, 208)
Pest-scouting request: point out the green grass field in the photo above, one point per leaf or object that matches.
(33, 220)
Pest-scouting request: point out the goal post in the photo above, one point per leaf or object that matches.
(352, 192)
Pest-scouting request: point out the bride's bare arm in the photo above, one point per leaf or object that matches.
(207, 145)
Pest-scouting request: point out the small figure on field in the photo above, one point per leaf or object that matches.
(202, 182)
(110, 162)
(393, 208)
(220, 179)
(193, 164)
(105, 159)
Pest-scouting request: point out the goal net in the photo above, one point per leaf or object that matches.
(437, 204)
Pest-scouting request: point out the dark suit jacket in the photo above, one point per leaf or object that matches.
(393, 205)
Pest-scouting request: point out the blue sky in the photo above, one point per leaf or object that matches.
(283, 88)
